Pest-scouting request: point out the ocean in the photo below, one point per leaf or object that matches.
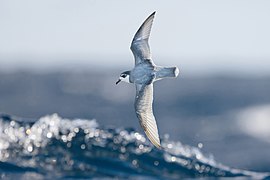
(82, 126)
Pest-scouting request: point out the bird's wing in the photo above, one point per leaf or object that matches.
(144, 111)
(139, 46)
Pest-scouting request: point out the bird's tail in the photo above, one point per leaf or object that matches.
(167, 72)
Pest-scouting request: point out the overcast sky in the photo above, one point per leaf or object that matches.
(199, 36)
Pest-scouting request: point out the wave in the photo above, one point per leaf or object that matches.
(54, 147)
(254, 121)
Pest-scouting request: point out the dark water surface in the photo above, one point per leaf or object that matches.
(201, 122)
(54, 147)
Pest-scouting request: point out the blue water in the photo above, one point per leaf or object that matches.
(54, 147)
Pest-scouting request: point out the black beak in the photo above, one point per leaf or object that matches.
(118, 81)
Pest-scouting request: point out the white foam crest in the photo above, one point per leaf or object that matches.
(175, 150)
(50, 126)
(39, 134)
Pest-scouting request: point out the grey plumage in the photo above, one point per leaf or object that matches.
(139, 45)
(166, 72)
(143, 75)
(144, 112)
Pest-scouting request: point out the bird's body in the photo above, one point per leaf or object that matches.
(143, 75)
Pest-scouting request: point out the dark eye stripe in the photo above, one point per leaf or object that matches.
(123, 75)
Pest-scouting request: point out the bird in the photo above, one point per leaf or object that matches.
(143, 75)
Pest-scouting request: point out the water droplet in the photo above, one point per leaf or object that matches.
(86, 131)
(83, 146)
(173, 159)
(28, 131)
(91, 134)
(12, 123)
(134, 162)
(169, 146)
(76, 130)
(200, 145)
(138, 136)
(64, 138)
(122, 133)
(198, 156)
(197, 167)
(30, 148)
(49, 135)
(69, 145)
(156, 163)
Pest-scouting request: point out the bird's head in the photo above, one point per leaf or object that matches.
(124, 76)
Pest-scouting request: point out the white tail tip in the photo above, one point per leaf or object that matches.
(176, 71)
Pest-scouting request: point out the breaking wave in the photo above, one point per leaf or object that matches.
(54, 147)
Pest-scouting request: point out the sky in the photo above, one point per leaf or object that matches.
(200, 37)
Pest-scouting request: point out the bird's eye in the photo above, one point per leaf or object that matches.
(123, 75)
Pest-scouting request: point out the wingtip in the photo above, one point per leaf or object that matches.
(153, 13)
(158, 146)
(156, 143)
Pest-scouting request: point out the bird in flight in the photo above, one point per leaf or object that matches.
(143, 75)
